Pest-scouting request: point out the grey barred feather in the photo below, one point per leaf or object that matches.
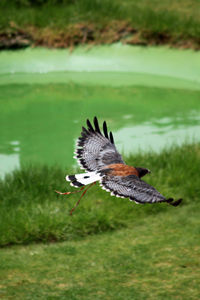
(94, 150)
(132, 187)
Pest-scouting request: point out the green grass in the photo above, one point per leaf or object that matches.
(30, 210)
(114, 249)
(180, 20)
(157, 258)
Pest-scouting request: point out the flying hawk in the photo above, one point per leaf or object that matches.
(97, 154)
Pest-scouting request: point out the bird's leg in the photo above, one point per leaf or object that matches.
(67, 193)
(84, 192)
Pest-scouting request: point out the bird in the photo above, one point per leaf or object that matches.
(97, 154)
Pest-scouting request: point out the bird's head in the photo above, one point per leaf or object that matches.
(142, 171)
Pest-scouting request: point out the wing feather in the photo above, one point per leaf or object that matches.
(105, 130)
(132, 187)
(96, 125)
(90, 126)
(111, 138)
(95, 150)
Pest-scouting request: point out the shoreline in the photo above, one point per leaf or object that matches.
(91, 34)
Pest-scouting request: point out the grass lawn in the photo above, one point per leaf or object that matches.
(68, 23)
(157, 258)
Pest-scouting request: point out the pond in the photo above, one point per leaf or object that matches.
(150, 98)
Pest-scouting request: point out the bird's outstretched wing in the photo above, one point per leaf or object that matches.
(95, 150)
(132, 187)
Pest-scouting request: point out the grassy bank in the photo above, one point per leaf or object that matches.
(30, 211)
(69, 23)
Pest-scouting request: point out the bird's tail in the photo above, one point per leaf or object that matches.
(79, 180)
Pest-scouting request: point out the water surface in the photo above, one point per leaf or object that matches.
(150, 98)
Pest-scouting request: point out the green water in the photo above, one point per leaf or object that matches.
(150, 98)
